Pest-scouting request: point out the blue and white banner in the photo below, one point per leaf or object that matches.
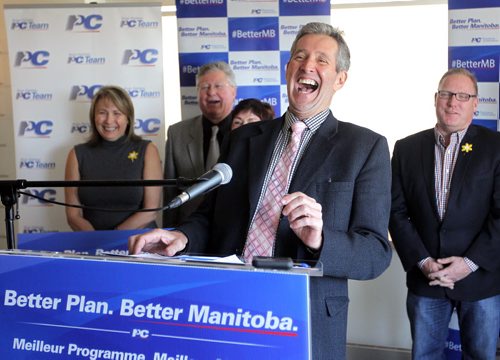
(474, 44)
(253, 37)
(453, 348)
(54, 307)
(59, 57)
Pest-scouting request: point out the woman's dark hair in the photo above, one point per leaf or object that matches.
(260, 108)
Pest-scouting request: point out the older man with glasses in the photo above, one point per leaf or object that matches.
(445, 224)
(193, 145)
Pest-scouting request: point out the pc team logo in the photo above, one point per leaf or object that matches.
(31, 95)
(28, 25)
(85, 59)
(83, 93)
(138, 23)
(140, 57)
(143, 93)
(84, 23)
(28, 59)
(36, 164)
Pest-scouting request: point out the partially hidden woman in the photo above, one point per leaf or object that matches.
(251, 110)
(113, 152)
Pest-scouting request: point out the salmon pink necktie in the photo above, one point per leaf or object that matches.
(262, 233)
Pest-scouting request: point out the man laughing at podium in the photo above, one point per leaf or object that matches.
(305, 186)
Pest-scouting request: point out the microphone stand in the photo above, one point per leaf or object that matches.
(9, 194)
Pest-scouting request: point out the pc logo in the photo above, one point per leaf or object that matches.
(87, 23)
(146, 57)
(32, 59)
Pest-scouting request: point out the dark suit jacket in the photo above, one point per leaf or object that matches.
(346, 168)
(471, 225)
(184, 158)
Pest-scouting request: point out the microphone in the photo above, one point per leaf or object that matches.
(219, 175)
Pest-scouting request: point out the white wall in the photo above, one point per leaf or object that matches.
(377, 310)
(171, 81)
(398, 55)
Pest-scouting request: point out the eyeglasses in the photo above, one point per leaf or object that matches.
(446, 95)
(206, 87)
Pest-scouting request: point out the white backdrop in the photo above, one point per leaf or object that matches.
(474, 44)
(59, 57)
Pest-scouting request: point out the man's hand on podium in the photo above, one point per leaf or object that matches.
(158, 241)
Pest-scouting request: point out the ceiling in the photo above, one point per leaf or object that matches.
(334, 3)
(42, 2)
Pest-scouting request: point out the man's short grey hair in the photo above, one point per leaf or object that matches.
(460, 71)
(343, 59)
(220, 66)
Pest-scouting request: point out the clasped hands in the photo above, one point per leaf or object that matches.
(445, 272)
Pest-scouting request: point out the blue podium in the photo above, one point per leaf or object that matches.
(60, 306)
(79, 242)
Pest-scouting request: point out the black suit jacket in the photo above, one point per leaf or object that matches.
(346, 168)
(471, 225)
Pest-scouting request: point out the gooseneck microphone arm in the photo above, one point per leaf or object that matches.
(9, 193)
(23, 184)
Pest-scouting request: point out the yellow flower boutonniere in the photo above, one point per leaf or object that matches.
(133, 155)
(466, 148)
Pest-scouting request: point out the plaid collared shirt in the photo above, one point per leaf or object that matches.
(445, 158)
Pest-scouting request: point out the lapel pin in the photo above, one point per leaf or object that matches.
(133, 155)
(466, 148)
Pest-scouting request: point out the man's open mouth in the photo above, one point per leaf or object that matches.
(307, 85)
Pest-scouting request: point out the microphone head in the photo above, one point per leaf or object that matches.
(225, 171)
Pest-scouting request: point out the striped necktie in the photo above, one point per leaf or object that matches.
(213, 149)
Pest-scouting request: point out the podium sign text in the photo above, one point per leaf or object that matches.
(79, 242)
(67, 307)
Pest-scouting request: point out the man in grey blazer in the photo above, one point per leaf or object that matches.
(335, 209)
(445, 224)
(188, 153)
